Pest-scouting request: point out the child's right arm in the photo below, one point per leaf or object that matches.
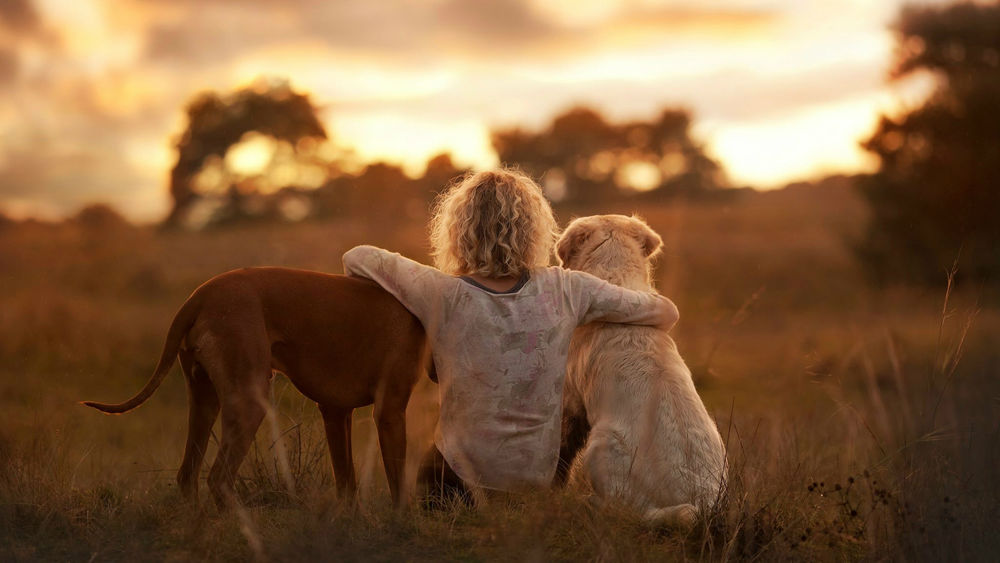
(416, 286)
(598, 300)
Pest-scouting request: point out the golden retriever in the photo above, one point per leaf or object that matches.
(652, 445)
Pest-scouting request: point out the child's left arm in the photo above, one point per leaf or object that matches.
(606, 302)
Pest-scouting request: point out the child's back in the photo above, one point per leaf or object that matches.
(501, 356)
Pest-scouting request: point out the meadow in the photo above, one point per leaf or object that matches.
(861, 423)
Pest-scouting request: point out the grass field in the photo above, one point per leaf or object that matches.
(860, 423)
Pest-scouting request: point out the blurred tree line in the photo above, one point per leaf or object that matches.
(581, 157)
(261, 153)
(936, 196)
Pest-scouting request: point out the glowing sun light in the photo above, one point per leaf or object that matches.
(251, 156)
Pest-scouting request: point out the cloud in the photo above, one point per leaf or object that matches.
(67, 139)
(49, 181)
(200, 41)
(743, 95)
(9, 66)
(19, 16)
(701, 20)
(493, 20)
(218, 31)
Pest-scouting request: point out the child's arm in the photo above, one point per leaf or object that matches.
(599, 300)
(415, 285)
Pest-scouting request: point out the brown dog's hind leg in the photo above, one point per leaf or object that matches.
(203, 408)
(242, 412)
(338, 437)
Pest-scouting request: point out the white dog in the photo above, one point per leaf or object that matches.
(652, 445)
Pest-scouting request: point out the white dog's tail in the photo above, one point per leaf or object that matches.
(681, 516)
(179, 328)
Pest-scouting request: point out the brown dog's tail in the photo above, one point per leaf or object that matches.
(181, 324)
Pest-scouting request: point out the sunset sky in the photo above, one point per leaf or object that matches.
(93, 90)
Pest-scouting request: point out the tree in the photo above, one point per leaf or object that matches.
(216, 123)
(936, 194)
(582, 157)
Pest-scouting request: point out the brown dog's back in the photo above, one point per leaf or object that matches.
(336, 337)
(305, 318)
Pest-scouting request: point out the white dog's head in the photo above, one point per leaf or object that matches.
(615, 248)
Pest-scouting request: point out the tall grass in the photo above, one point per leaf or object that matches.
(859, 424)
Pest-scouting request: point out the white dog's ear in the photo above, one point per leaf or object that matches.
(650, 241)
(569, 243)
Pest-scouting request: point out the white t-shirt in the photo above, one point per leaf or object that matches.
(501, 358)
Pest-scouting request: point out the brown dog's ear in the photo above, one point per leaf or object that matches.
(569, 243)
(647, 237)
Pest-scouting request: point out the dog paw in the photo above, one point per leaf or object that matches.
(680, 516)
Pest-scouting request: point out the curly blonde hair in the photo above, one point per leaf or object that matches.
(494, 223)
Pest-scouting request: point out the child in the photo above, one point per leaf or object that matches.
(499, 320)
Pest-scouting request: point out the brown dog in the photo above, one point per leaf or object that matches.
(343, 342)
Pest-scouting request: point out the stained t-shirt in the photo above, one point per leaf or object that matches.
(501, 357)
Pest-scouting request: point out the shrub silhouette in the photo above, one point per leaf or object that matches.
(100, 217)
